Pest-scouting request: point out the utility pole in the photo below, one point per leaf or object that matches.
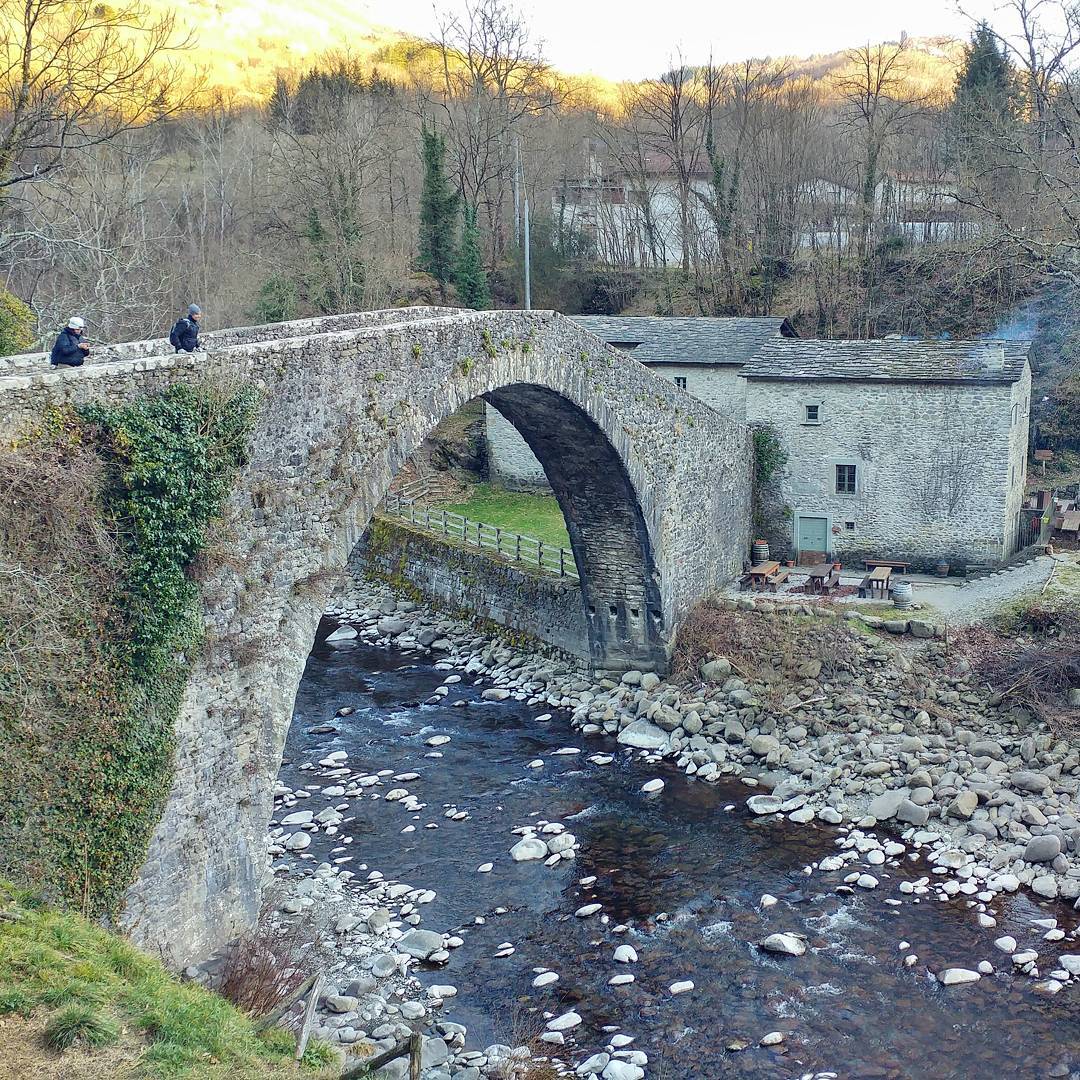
(525, 208)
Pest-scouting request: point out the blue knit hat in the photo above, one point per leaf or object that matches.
(194, 309)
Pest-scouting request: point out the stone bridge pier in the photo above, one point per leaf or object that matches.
(654, 486)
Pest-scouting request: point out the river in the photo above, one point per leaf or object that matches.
(684, 872)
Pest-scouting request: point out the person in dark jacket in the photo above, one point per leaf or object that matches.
(185, 334)
(70, 350)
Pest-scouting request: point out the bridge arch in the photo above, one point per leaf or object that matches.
(654, 486)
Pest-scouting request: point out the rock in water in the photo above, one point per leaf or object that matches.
(643, 735)
(421, 943)
(789, 944)
(958, 976)
(529, 849)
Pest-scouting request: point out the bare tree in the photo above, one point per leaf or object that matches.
(492, 78)
(878, 105)
(77, 73)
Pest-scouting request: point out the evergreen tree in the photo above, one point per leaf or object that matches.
(986, 83)
(438, 213)
(470, 280)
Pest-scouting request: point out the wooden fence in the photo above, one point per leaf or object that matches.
(512, 546)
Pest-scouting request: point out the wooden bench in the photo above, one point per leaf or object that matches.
(776, 579)
(745, 582)
(831, 582)
(892, 564)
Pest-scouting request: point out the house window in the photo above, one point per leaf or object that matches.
(849, 525)
(845, 480)
(680, 381)
(812, 413)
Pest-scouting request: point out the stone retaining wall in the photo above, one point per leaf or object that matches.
(464, 580)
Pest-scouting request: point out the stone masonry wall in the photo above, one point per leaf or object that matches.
(510, 461)
(539, 605)
(341, 412)
(932, 461)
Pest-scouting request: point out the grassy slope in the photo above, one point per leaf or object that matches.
(51, 962)
(538, 516)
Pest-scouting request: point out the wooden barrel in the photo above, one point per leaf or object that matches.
(901, 593)
(759, 552)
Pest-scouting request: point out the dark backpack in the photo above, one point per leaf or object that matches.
(174, 334)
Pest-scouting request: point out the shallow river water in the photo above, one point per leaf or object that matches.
(686, 876)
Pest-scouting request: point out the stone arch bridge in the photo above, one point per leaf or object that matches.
(653, 484)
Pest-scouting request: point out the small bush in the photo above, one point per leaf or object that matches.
(268, 963)
(16, 324)
(1032, 657)
(79, 1024)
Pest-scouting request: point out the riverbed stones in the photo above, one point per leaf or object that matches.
(529, 849)
(1043, 848)
(787, 944)
(651, 787)
(643, 735)
(957, 976)
(764, 804)
(421, 944)
(625, 954)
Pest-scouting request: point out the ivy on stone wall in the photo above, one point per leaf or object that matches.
(113, 506)
(770, 457)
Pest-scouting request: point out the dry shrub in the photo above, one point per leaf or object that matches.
(755, 642)
(1032, 658)
(269, 961)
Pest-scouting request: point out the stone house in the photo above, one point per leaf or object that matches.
(911, 450)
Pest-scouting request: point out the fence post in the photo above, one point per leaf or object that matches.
(498, 540)
(562, 562)
(309, 1015)
(517, 547)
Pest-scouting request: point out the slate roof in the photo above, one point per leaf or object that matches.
(890, 359)
(656, 339)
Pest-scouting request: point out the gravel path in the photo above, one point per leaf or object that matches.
(981, 598)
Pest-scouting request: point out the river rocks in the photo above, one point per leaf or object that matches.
(565, 1022)
(764, 804)
(529, 849)
(682, 987)
(1042, 849)
(340, 1003)
(421, 944)
(651, 787)
(643, 735)
(1029, 781)
(964, 805)
(622, 1070)
(390, 627)
(788, 944)
(885, 806)
(625, 954)
(715, 671)
(495, 694)
(763, 745)
(912, 814)
(545, 978)
(957, 976)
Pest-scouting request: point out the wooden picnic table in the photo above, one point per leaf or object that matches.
(878, 579)
(761, 572)
(816, 575)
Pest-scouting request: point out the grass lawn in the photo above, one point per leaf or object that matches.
(538, 516)
(79, 1002)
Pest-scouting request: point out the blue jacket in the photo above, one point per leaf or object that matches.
(185, 335)
(66, 351)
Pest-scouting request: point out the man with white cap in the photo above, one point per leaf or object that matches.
(185, 334)
(70, 350)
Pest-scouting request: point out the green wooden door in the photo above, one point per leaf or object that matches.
(813, 536)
